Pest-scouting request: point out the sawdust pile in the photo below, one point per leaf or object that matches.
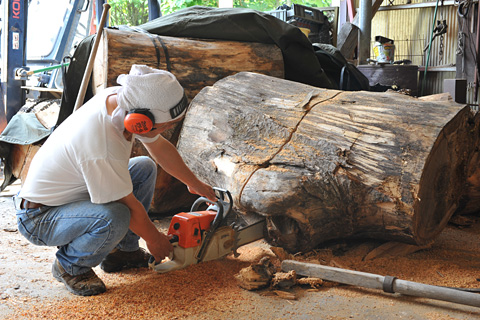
(142, 294)
(454, 260)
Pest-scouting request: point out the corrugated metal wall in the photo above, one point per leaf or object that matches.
(411, 29)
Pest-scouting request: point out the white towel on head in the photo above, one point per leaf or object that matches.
(152, 89)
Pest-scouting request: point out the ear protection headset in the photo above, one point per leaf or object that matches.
(139, 121)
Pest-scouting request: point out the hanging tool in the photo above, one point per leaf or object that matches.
(477, 58)
(440, 29)
(386, 283)
(211, 234)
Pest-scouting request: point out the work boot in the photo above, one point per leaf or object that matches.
(118, 260)
(86, 284)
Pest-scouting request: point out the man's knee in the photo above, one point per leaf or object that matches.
(143, 169)
(119, 216)
(143, 162)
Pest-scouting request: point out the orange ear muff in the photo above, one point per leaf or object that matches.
(139, 121)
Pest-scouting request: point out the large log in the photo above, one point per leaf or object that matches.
(324, 164)
(196, 63)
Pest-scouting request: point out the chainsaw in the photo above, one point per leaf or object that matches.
(211, 234)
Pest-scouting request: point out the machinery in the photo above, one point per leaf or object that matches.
(207, 235)
(37, 38)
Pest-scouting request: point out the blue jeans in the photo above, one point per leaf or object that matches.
(84, 232)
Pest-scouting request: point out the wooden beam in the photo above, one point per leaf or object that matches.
(351, 10)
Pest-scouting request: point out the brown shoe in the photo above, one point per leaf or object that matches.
(118, 260)
(87, 284)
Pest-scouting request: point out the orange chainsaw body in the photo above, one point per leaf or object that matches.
(189, 227)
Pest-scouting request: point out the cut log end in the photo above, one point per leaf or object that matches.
(444, 177)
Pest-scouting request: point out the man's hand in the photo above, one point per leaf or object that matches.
(204, 190)
(160, 248)
(140, 224)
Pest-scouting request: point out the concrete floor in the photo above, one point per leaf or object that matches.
(25, 281)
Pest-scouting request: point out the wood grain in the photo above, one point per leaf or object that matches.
(324, 164)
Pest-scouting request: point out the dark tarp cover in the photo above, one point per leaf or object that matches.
(301, 64)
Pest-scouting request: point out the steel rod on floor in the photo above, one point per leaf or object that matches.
(386, 283)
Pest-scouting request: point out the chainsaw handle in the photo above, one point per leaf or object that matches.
(222, 193)
(217, 207)
(222, 207)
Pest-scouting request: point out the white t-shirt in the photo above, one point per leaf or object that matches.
(85, 158)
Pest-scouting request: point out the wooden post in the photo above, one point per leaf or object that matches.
(91, 60)
(347, 37)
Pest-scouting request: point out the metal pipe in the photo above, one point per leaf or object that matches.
(364, 36)
(29, 73)
(385, 283)
(154, 11)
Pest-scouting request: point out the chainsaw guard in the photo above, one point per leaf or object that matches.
(221, 244)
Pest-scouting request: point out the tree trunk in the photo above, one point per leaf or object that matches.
(196, 64)
(324, 164)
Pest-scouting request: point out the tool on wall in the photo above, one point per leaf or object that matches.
(464, 36)
(477, 60)
(429, 47)
(207, 235)
(439, 30)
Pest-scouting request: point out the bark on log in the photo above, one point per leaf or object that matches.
(196, 63)
(324, 164)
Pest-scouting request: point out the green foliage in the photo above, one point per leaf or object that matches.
(267, 5)
(169, 6)
(262, 5)
(135, 12)
(128, 12)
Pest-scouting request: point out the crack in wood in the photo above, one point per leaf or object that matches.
(308, 98)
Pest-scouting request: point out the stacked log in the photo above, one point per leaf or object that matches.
(324, 164)
(196, 63)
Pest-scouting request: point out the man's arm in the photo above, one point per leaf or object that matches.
(167, 156)
(157, 243)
